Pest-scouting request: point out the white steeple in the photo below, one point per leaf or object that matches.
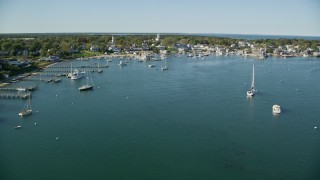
(158, 37)
(112, 41)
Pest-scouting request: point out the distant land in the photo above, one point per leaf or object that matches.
(234, 36)
(27, 52)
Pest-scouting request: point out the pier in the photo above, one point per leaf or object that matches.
(39, 79)
(30, 88)
(48, 74)
(67, 71)
(77, 67)
(15, 96)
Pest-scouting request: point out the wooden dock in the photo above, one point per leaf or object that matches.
(77, 67)
(15, 96)
(66, 71)
(30, 88)
(38, 79)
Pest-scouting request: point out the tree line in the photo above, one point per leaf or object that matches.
(39, 45)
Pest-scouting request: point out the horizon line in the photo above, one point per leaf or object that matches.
(181, 33)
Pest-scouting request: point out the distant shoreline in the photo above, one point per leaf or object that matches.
(222, 35)
(105, 56)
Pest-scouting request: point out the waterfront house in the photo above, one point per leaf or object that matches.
(50, 59)
(4, 53)
(94, 48)
(161, 47)
(258, 52)
(243, 44)
(135, 47)
(14, 62)
(114, 49)
(145, 46)
(73, 50)
(25, 52)
(201, 47)
(182, 47)
(220, 50)
(316, 54)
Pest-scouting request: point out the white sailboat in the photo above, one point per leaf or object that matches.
(70, 74)
(165, 67)
(252, 90)
(89, 83)
(27, 108)
(121, 63)
(99, 70)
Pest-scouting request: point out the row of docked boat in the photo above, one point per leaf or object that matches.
(74, 75)
(276, 109)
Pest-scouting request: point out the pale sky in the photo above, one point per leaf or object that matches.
(272, 17)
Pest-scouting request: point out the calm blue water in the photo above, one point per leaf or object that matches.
(191, 122)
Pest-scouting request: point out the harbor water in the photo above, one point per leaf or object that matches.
(193, 121)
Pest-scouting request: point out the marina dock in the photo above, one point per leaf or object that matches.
(30, 88)
(15, 96)
(41, 79)
(77, 67)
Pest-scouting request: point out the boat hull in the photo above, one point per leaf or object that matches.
(85, 88)
(75, 77)
(250, 93)
(26, 112)
(276, 109)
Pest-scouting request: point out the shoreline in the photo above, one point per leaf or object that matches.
(130, 56)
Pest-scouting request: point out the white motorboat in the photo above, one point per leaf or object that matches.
(165, 67)
(276, 109)
(77, 74)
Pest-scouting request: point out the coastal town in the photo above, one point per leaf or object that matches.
(26, 54)
(159, 90)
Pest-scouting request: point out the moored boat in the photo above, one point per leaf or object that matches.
(89, 83)
(26, 109)
(77, 74)
(276, 109)
(251, 91)
(86, 87)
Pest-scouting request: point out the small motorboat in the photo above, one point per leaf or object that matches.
(276, 109)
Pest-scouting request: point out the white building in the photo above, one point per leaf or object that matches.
(158, 37)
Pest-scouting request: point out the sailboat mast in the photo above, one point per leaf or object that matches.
(29, 102)
(252, 83)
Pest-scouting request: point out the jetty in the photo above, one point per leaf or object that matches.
(30, 88)
(38, 79)
(67, 71)
(76, 67)
(15, 96)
